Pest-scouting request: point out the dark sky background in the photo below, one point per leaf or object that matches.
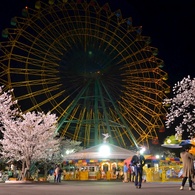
(170, 24)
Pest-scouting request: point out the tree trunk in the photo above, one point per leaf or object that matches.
(45, 170)
(21, 176)
(25, 169)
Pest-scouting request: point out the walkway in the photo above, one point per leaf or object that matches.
(91, 188)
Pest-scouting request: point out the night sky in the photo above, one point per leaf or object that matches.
(170, 24)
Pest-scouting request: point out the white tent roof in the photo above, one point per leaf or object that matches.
(116, 152)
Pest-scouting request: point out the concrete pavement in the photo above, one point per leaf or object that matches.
(92, 188)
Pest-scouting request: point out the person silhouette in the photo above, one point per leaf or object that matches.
(188, 167)
(138, 161)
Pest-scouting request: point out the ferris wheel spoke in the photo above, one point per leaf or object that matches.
(88, 65)
(142, 117)
(142, 108)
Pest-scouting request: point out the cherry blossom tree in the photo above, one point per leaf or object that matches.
(29, 137)
(68, 146)
(8, 108)
(181, 112)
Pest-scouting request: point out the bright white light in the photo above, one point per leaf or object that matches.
(104, 150)
(157, 156)
(169, 141)
(142, 150)
(69, 151)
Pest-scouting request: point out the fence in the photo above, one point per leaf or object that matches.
(163, 173)
(153, 174)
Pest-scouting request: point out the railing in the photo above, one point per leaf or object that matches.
(168, 173)
(163, 173)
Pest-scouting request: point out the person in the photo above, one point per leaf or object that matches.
(131, 173)
(125, 172)
(13, 170)
(103, 174)
(188, 167)
(114, 170)
(57, 174)
(138, 161)
(54, 176)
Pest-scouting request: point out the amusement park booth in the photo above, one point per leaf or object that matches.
(103, 161)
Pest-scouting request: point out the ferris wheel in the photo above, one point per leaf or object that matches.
(88, 65)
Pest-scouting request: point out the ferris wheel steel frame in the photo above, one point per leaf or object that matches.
(88, 65)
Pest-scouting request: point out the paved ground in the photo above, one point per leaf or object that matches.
(92, 188)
